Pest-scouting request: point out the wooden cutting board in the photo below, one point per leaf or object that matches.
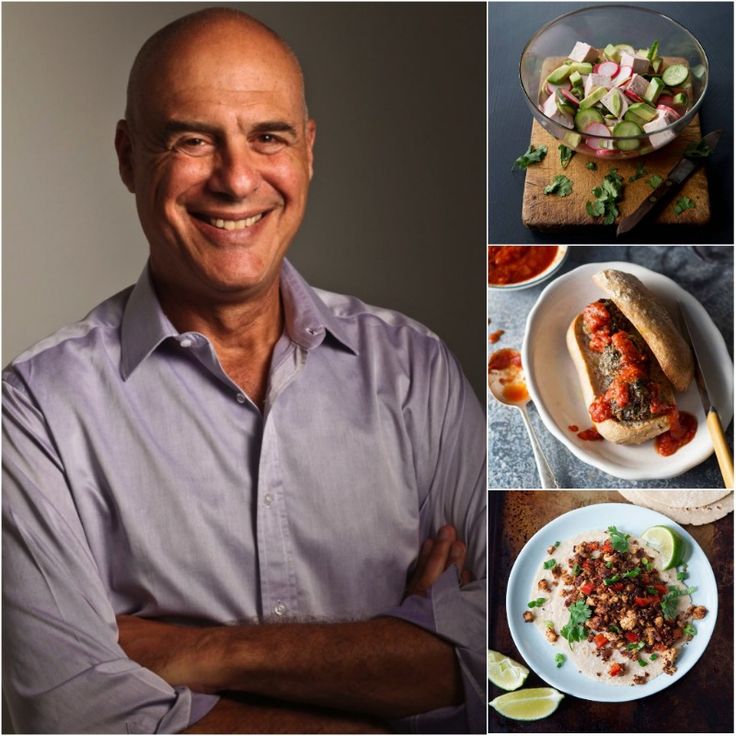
(550, 212)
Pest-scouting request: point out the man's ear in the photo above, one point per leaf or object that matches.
(311, 135)
(124, 148)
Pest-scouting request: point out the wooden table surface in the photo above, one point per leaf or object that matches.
(700, 702)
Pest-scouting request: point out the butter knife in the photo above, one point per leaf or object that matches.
(669, 187)
(713, 421)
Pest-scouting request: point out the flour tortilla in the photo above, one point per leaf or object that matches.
(695, 515)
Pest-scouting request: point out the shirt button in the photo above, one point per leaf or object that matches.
(268, 499)
(240, 398)
(280, 608)
(186, 343)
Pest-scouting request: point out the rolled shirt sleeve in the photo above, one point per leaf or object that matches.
(63, 670)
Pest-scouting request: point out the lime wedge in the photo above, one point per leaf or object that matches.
(504, 672)
(667, 542)
(529, 704)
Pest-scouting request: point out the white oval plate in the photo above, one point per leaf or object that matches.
(536, 650)
(554, 387)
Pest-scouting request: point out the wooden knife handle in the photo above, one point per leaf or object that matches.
(723, 453)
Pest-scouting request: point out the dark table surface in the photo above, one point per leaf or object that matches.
(700, 702)
(510, 459)
(511, 25)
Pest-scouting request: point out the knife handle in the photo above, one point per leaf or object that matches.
(723, 454)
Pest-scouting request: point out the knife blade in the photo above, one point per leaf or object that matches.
(668, 188)
(713, 421)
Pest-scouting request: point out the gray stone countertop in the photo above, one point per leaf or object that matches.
(510, 459)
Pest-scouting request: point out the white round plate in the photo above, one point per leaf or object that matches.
(536, 650)
(554, 387)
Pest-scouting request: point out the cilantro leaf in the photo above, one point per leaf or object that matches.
(655, 180)
(619, 540)
(561, 186)
(698, 150)
(538, 603)
(566, 155)
(682, 204)
(632, 573)
(560, 659)
(574, 630)
(606, 197)
(592, 165)
(549, 564)
(640, 171)
(532, 156)
(690, 630)
(669, 600)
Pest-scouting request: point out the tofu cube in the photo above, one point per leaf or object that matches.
(638, 85)
(551, 110)
(662, 120)
(583, 52)
(638, 64)
(596, 80)
(609, 103)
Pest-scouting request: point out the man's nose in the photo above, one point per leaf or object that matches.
(236, 172)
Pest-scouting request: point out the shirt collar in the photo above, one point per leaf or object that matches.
(307, 317)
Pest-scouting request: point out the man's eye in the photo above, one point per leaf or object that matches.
(193, 145)
(268, 143)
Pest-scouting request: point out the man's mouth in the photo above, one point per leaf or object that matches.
(222, 224)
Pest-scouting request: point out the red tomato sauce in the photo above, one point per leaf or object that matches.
(590, 435)
(494, 337)
(573, 427)
(682, 429)
(512, 264)
(504, 359)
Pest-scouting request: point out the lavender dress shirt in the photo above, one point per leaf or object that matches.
(138, 478)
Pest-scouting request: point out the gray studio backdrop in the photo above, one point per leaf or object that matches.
(397, 210)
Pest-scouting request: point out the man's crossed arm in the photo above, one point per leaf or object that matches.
(384, 667)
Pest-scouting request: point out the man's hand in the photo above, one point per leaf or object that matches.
(435, 557)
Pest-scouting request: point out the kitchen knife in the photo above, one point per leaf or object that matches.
(669, 187)
(713, 421)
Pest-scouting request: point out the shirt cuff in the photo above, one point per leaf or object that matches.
(201, 705)
(447, 611)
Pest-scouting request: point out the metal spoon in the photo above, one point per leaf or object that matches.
(516, 395)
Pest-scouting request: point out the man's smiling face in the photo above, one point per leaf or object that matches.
(218, 151)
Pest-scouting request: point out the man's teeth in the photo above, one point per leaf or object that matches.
(235, 224)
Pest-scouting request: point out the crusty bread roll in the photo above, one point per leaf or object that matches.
(670, 359)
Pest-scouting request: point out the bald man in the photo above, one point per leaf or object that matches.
(217, 484)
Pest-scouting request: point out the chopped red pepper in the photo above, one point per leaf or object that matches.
(592, 546)
(616, 669)
(587, 588)
(618, 586)
(631, 636)
(607, 546)
(646, 600)
(660, 588)
(600, 640)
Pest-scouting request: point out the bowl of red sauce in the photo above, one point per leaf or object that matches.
(523, 266)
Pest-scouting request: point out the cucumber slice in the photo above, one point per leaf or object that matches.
(572, 139)
(656, 64)
(596, 95)
(632, 117)
(642, 110)
(585, 117)
(652, 51)
(675, 74)
(581, 67)
(624, 48)
(680, 99)
(559, 75)
(612, 53)
(576, 79)
(627, 129)
(656, 85)
(563, 105)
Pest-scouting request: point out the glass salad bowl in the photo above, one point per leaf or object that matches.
(576, 110)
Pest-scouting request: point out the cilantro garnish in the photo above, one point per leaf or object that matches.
(561, 186)
(654, 657)
(532, 156)
(682, 574)
(549, 624)
(682, 204)
(635, 646)
(655, 180)
(698, 150)
(574, 629)
(669, 600)
(592, 165)
(566, 155)
(538, 603)
(549, 564)
(612, 579)
(632, 573)
(646, 564)
(640, 171)
(606, 197)
(619, 540)
(641, 662)
(577, 570)
(614, 629)
(690, 630)
(560, 659)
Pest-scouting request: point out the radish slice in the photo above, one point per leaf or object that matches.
(666, 109)
(603, 152)
(665, 100)
(609, 68)
(570, 97)
(551, 88)
(633, 96)
(596, 68)
(623, 76)
(597, 129)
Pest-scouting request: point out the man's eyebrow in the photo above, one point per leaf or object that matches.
(189, 126)
(274, 126)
